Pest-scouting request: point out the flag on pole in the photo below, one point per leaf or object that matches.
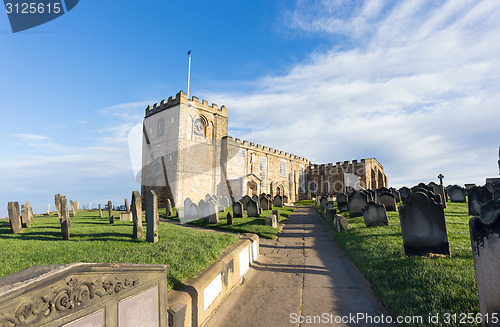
(189, 52)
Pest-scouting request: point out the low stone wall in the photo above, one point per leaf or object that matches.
(193, 304)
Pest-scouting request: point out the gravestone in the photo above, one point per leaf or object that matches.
(439, 189)
(229, 218)
(110, 212)
(322, 202)
(375, 214)
(478, 196)
(18, 210)
(271, 221)
(423, 226)
(31, 217)
(489, 211)
(264, 203)
(85, 295)
(136, 215)
(330, 204)
(342, 202)
(244, 201)
(203, 209)
(397, 195)
(15, 221)
(237, 210)
(330, 214)
(125, 216)
(64, 219)
(277, 214)
(168, 207)
(152, 218)
(404, 193)
(127, 207)
(490, 187)
(255, 198)
(57, 201)
(285, 199)
(213, 213)
(225, 201)
(341, 223)
(215, 200)
(24, 216)
(496, 194)
(252, 209)
(387, 199)
(208, 197)
(194, 211)
(278, 201)
(456, 194)
(485, 241)
(100, 211)
(356, 202)
(187, 208)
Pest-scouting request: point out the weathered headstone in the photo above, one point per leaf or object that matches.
(330, 204)
(127, 207)
(229, 218)
(397, 195)
(271, 221)
(65, 221)
(225, 201)
(404, 193)
(252, 209)
(18, 210)
(100, 211)
(485, 241)
(342, 223)
(255, 198)
(388, 200)
(423, 226)
(277, 214)
(15, 221)
(24, 215)
(213, 216)
(57, 201)
(244, 201)
(264, 203)
(285, 199)
(136, 215)
(489, 211)
(375, 214)
(278, 201)
(456, 194)
(330, 214)
(187, 208)
(342, 202)
(237, 210)
(356, 202)
(478, 196)
(208, 197)
(194, 211)
(125, 216)
(203, 209)
(168, 207)
(152, 218)
(110, 212)
(322, 202)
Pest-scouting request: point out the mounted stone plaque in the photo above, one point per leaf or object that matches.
(85, 294)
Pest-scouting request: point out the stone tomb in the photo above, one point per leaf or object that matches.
(237, 210)
(137, 215)
(375, 214)
(278, 201)
(388, 200)
(125, 216)
(252, 209)
(456, 194)
(85, 294)
(478, 196)
(356, 202)
(152, 217)
(423, 226)
(485, 241)
(342, 202)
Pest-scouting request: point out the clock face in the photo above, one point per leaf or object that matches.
(199, 128)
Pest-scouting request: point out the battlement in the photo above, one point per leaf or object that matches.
(263, 149)
(339, 165)
(181, 98)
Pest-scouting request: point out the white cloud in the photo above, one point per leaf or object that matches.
(418, 89)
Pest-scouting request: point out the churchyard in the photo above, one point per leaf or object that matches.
(420, 264)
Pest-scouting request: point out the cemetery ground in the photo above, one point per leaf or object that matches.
(254, 225)
(417, 286)
(93, 239)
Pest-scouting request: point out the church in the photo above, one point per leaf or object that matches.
(186, 152)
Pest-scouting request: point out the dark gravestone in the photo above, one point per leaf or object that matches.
(322, 203)
(387, 199)
(277, 214)
(375, 214)
(255, 198)
(278, 201)
(264, 203)
(271, 221)
(330, 214)
(478, 196)
(404, 193)
(237, 210)
(152, 218)
(439, 189)
(423, 226)
(15, 221)
(137, 231)
(64, 219)
(208, 197)
(110, 212)
(168, 207)
(330, 204)
(490, 187)
(252, 209)
(342, 202)
(456, 194)
(356, 202)
(489, 211)
(397, 196)
(100, 211)
(127, 207)
(244, 200)
(229, 218)
(485, 241)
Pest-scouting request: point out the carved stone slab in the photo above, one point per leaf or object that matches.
(423, 226)
(237, 210)
(456, 194)
(356, 202)
(137, 215)
(389, 201)
(374, 214)
(84, 294)
(342, 202)
(485, 241)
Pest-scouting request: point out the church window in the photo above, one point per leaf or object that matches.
(283, 168)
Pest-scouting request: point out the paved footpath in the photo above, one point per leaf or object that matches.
(300, 275)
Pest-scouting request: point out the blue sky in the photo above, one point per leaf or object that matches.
(413, 83)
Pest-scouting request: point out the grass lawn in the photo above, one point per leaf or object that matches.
(416, 286)
(255, 225)
(305, 203)
(93, 239)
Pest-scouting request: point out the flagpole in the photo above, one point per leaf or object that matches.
(189, 71)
